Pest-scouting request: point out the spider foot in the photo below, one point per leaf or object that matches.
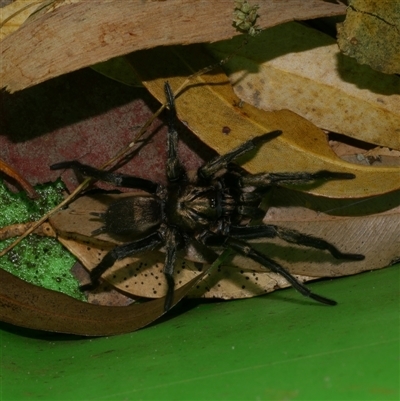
(170, 292)
(347, 256)
(89, 286)
(65, 165)
(333, 175)
(322, 299)
(268, 136)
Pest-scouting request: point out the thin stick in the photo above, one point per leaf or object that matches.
(46, 216)
(123, 151)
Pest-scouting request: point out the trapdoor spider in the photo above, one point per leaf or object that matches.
(209, 207)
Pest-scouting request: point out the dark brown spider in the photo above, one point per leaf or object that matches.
(209, 208)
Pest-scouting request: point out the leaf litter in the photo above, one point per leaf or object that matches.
(153, 86)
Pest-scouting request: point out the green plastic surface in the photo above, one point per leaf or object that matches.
(276, 347)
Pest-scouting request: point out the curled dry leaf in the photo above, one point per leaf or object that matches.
(370, 33)
(65, 37)
(296, 67)
(23, 304)
(228, 122)
(12, 173)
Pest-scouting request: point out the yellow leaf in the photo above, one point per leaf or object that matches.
(295, 67)
(14, 15)
(209, 107)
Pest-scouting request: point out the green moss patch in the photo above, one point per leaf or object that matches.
(38, 260)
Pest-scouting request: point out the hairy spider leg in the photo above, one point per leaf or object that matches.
(267, 179)
(119, 180)
(121, 252)
(291, 236)
(175, 171)
(221, 162)
(172, 243)
(246, 250)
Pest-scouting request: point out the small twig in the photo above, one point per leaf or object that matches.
(36, 224)
(126, 149)
(123, 151)
(14, 230)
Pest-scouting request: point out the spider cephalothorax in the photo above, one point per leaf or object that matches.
(210, 207)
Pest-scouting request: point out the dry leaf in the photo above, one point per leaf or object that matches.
(370, 33)
(23, 304)
(363, 153)
(302, 147)
(139, 276)
(73, 36)
(232, 282)
(14, 15)
(142, 276)
(240, 277)
(12, 173)
(370, 227)
(295, 67)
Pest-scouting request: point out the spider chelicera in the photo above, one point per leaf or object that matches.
(211, 207)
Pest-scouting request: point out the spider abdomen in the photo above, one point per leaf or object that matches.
(133, 216)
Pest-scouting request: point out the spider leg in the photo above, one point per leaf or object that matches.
(175, 171)
(119, 180)
(172, 242)
(291, 236)
(267, 179)
(245, 249)
(220, 162)
(121, 252)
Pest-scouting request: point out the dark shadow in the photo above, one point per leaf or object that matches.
(285, 197)
(39, 334)
(364, 77)
(61, 102)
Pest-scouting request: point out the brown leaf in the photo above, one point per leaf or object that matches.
(369, 226)
(363, 153)
(370, 33)
(302, 147)
(232, 282)
(140, 276)
(12, 173)
(241, 277)
(23, 304)
(76, 35)
(299, 68)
